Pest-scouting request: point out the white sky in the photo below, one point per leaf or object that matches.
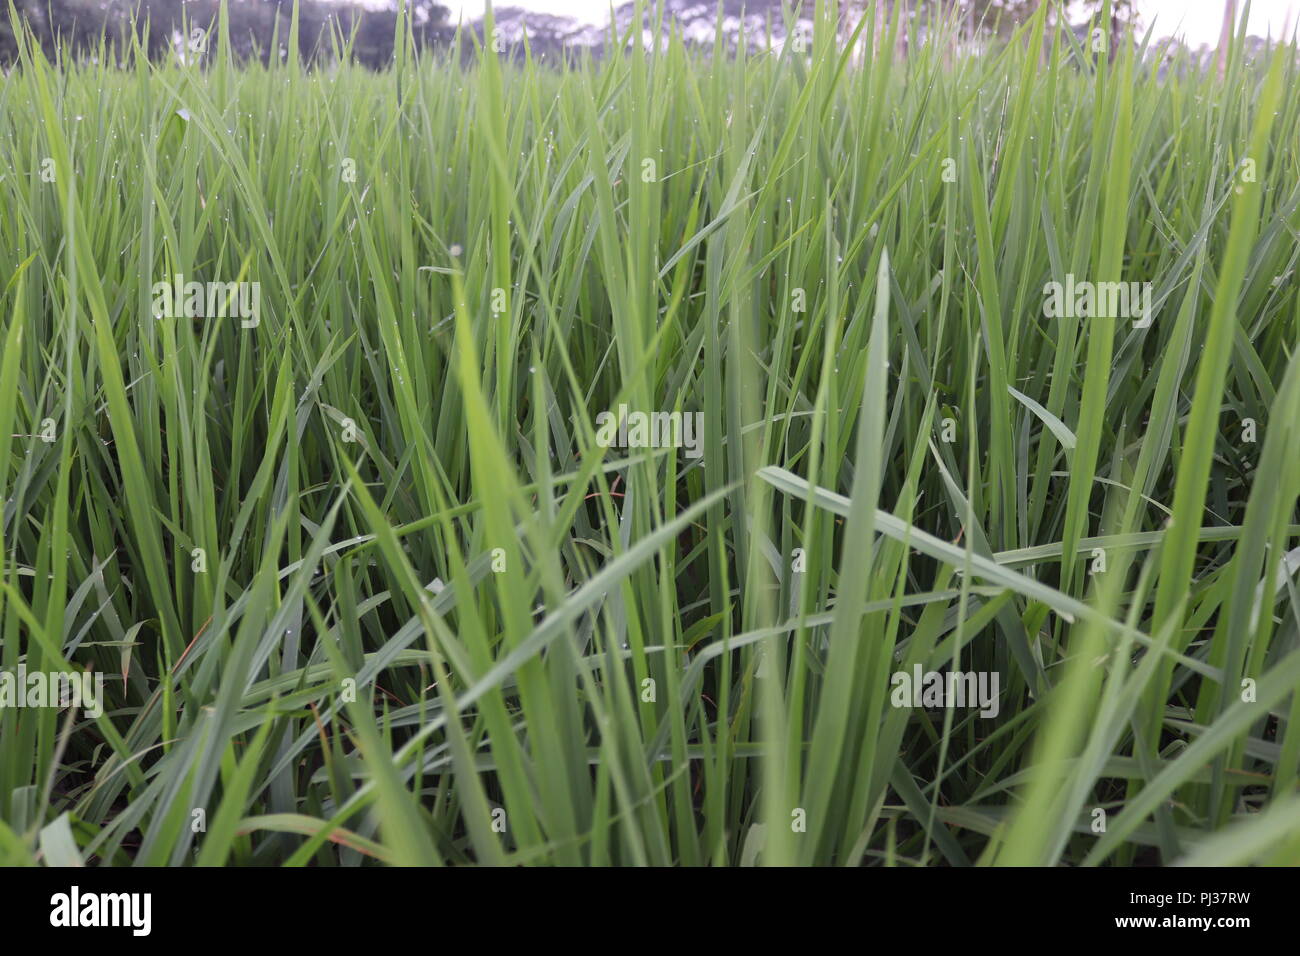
(1198, 21)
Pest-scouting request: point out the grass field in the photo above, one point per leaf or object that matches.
(365, 583)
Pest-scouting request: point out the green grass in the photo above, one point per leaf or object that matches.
(570, 654)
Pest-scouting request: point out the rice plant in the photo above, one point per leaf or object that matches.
(841, 449)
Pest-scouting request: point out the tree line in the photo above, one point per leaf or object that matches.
(259, 29)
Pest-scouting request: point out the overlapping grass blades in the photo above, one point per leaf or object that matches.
(438, 622)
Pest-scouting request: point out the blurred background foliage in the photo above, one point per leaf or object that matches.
(259, 27)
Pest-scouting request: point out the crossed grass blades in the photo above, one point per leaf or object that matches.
(436, 622)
